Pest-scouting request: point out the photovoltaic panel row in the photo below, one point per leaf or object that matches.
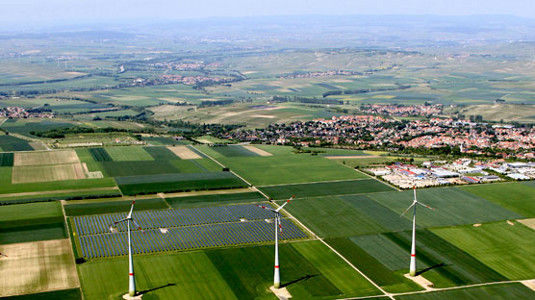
(97, 224)
(184, 238)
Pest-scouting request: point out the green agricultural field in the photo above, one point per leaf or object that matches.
(99, 154)
(337, 152)
(6, 159)
(529, 183)
(187, 275)
(218, 199)
(27, 214)
(345, 278)
(438, 261)
(53, 196)
(516, 197)
(25, 126)
(305, 272)
(31, 222)
(330, 216)
(452, 207)
(70, 185)
(195, 165)
(72, 294)
(160, 153)
(148, 184)
(233, 151)
(129, 153)
(11, 143)
(105, 207)
(131, 168)
(388, 219)
(386, 278)
(491, 292)
(86, 156)
(506, 248)
(284, 167)
(325, 188)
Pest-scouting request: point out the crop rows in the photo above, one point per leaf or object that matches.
(97, 224)
(100, 154)
(6, 159)
(183, 238)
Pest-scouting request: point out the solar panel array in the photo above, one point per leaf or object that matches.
(168, 230)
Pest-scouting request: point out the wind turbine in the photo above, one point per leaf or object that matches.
(128, 219)
(278, 226)
(415, 202)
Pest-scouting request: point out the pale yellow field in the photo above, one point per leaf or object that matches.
(257, 151)
(528, 222)
(25, 174)
(45, 158)
(184, 152)
(37, 267)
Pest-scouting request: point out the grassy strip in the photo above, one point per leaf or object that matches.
(201, 200)
(112, 206)
(70, 294)
(56, 185)
(325, 188)
(149, 184)
(61, 196)
(491, 292)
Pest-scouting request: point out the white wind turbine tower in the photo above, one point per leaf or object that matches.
(278, 226)
(415, 202)
(128, 219)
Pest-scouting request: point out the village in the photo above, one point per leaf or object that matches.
(378, 132)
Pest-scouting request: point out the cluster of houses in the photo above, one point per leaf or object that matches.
(22, 113)
(462, 171)
(376, 132)
(402, 110)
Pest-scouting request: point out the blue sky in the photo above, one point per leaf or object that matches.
(21, 11)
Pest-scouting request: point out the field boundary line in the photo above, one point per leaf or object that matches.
(71, 243)
(314, 182)
(385, 293)
(223, 166)
(457, 287)
(58, 191)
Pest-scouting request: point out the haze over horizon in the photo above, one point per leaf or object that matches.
(36, 13)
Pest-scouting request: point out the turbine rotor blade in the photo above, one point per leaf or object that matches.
(414, 203)
(265, 207)
(131, 209)
(279, 222)
(287, 201)
(120, 221)
(137, 225)
(426, 206)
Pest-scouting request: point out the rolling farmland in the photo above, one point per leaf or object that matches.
(357, 215)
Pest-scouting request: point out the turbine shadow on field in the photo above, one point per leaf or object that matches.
(306, 277)
(156, 288)
(440, 265)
